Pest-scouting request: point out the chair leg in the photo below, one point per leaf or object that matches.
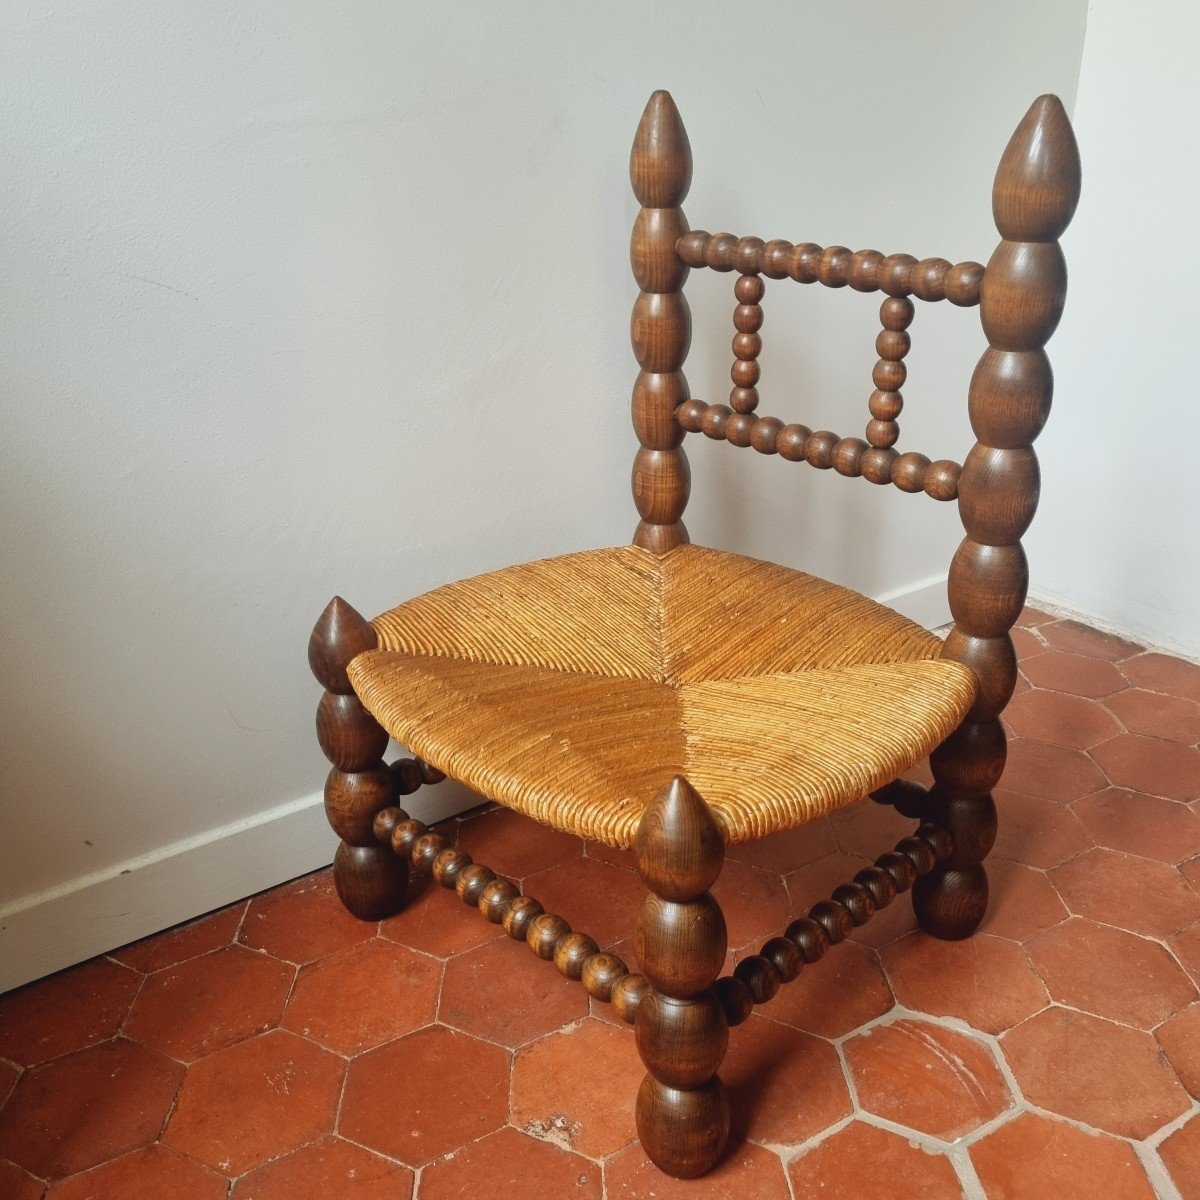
(370, 879)
(681, 1030)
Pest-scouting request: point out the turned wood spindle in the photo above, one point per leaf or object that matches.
(747, 345)
(660, 169)
(681, 1029)
(1021, 299)
(370, 880)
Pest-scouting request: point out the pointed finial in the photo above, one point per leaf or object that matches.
(679, 844)
(660, 164)
(339, 635)
(1037, 182)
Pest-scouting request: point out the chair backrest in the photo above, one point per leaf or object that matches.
(1019, 294)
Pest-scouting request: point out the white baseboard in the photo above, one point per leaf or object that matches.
(46, 931)
(49, 930)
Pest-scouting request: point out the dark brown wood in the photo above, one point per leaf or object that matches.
(660, 169)
(1021, 299)
(681, 1029)
(369, 879)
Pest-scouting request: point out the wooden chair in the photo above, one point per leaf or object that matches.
(679, 699)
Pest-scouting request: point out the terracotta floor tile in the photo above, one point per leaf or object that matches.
(1190, 870)
(153, 1173)
(1151, 765)
(1162, 673)
(599, 852)
(515, 845)
(302, 920)
(888, 924)
(16, 1184)
(435, 921)
(1036, 831)
(869, 829)
(1033, 618)
(1021, 901)
(1026, 644)
(783, 852)
(87, 1107)
(1108, 1076)
(329, 1169)
(182, 942)
(422, 1096)
(577, 1088)
(1185, 945)
(746, 1171)
(784, 1086)
(861, 1161)
(1180, 1039)
(208, 1003)
(1181, 1156)
(816, 880)
(9, 1073)
(1139, 824)
(1053, 772)
(253, 1101)
(1132, 893)
(1156, 715)
(508, 1163)
(1073, 673)
(1060, 718)
(1074, 637)
(364, 996)
(844, 990)
(596, 898)
(755, 904)
(504, 993)
(1109, 972)
(987, 981)
(927, 1077)
(73, 1009)
(1034, 1156)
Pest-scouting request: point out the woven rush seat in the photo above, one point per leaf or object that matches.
(572, 689)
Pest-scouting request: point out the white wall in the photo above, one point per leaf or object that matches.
(1118, 533)
(311, 297)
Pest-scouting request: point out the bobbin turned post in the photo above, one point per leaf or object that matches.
(681, 1030)
(660, 169)
(1021, 300)
(370, 879)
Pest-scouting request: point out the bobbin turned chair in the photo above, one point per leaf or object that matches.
(678, 699)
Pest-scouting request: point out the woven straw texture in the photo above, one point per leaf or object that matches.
(573, 689)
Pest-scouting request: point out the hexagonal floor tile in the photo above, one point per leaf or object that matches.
(862, 1160)
(578, 1087)
(1074, 673)
(755, 904)
(784, 1086)
(515, 845)
(1155, 715)
(1138, 824)
(1127, 891)
(9, 1073)
(1036, 831)
(422, 1096)
(1185, 945)
(783, 852)
(1109, 972)
(1180, 1039)
(1053, 772)
(508, 1163)
(869, 829)
(986, 981)
(73, 1009)
(1108, 1076)
(927, 1077)
(87, 1107)
(302, 920)
(815, 881)
(1161, 673)
(1181, 1156)
(152, 1173)
(1021, 901)
(435, 921)
(1034, 1155)
(830, 998)
(185, 941)
(1074, 637)
(328, 1169)
(745, 1171)
(16, 1184)
(1148, 764)
(1061, 718)
(363, 996)
(596, 898)
(504, 993)
(207, 1003)
(258, 1099)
